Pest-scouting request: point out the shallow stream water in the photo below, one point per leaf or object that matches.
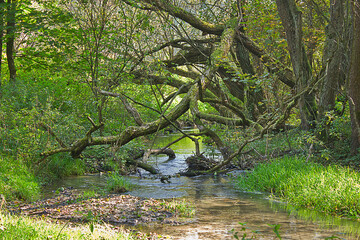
(219, 206)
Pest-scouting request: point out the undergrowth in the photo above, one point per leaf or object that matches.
(330, 189)
(17, 181)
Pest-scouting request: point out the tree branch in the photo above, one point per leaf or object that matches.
(133, 111)
(51, 132)
(285, 75)
(129, 133)
(180, 13)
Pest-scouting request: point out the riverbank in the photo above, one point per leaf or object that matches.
(71, 215)
(115, 209)
(21, 227)
(329, 189)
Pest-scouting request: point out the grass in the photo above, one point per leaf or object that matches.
(16, 227)
(182, 208)
(117, 183)
(331, 189)
(16, 180)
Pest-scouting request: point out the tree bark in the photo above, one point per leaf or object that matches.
(354, 81)
(180, 13)
(10, 34)
(255, 99)
(333, 57)
(2, 14)
(292, 22)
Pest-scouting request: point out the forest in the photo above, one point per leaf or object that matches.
(263, 95)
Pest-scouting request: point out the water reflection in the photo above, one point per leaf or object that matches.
(220, 207)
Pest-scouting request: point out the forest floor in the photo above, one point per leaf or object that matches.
(117, 210)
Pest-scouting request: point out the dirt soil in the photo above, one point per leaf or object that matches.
(113, 209)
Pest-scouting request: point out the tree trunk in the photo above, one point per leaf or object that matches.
(2, 14)
(292, 22)
(354, 81)
(333, 60)
(255, 95)
(10, 32)
(333, 56)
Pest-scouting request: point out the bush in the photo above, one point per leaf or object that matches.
(332, 189)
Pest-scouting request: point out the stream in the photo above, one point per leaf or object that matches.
(219, 206)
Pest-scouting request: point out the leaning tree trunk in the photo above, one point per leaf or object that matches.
(10, 34)
(354, 81)
(291, 19)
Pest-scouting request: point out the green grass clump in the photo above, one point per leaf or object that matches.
(182, 208)
(16, 227)
(117, 183)
(331, 189)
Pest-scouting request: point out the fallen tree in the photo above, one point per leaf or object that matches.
(203, 69)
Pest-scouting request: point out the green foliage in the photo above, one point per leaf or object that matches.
(333, 136)
(60, 166)
(16, 180)
(117, 183)
(36, 99)
(331, 189)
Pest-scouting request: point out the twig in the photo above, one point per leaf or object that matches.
(51, 132)
(92, 121)
(310, 152)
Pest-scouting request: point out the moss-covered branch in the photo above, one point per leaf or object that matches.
(186, 16)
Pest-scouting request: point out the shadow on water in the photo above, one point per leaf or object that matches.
(219, 206)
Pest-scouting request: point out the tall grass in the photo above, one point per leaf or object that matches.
(331, 189)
